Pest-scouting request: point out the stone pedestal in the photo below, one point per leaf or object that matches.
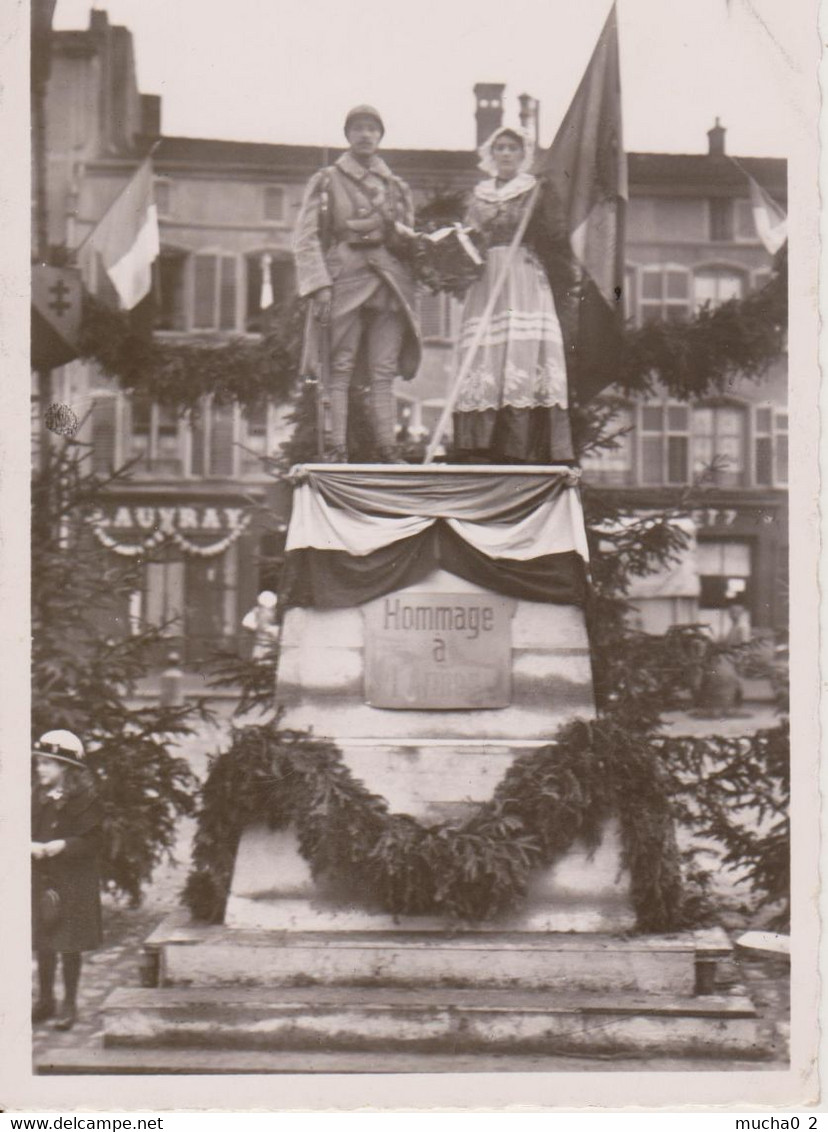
(435, 764)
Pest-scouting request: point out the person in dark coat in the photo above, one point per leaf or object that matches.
(66, 904)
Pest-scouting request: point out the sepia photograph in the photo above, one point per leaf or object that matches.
(423, 413)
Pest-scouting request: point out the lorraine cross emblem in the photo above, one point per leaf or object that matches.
(59, 304)
(56, 315)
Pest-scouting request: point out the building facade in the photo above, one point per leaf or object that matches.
(226, 214)
(691, 241)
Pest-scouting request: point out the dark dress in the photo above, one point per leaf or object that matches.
(76, 819)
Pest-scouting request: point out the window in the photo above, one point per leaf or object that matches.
(165, 596)
(725, 569)
(168, 288)
(719, 445)
(254, 440)
(155, 438)
(744, 225)
(271, 282)
(665, 444)
(436, 316)
(770, 447)
(665, 294)
(212, 603)
(163, 193)
(716, 285)
(721, 219)
(221, 440)
(214, 292)
(274, 203)
(613, 465)
(228, 443)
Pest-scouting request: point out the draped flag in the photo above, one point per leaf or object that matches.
(770, 220)
(354, 536)
(586, 168)
(126, 240)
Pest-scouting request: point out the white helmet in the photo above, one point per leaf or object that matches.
(64, 746)
(268, 599)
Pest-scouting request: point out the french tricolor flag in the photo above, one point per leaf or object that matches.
(126, 239)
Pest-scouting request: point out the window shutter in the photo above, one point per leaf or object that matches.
(782, 457)
(204, 292)
(274, 203)
(168, 275)
(197, 435)
(227, 294)
(221, 440)
(764, 461)
(104, 430)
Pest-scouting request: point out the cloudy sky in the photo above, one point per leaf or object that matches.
(285, 70)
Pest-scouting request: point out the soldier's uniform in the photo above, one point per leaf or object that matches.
(351, 236)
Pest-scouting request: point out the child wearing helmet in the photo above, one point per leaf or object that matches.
(66, 905)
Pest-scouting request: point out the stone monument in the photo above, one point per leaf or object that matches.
(435, 631)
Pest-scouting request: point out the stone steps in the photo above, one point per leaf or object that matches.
(439, 1020)
(125, 1060)
(195, 955)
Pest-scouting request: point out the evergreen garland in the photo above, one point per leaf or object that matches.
(466, 872)
(691, 360)
(181, 373)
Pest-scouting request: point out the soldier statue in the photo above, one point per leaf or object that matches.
(353, 249)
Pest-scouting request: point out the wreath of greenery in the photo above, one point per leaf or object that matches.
(180, 373)
(466, 872)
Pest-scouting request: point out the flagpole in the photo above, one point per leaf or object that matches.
(482, 327)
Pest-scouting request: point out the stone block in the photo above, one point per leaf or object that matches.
(399, 1018)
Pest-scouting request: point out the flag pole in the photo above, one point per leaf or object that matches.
(482, 327)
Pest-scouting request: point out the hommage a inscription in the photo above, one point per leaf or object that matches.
(438, 650)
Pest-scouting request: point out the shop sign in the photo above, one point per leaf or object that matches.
(438, 650)
(723, 517)
(153, 525)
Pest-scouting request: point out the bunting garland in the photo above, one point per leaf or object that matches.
(153, 541)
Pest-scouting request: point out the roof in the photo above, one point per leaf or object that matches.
(697, 170)
(299, 160)
(683, 173)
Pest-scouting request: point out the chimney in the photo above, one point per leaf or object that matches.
(716, 140)
(151, 116)
(530, 115)
(98, 19)
(489, 111)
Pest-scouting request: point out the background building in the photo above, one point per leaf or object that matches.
(226, 212)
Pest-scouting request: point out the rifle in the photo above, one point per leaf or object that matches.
(316, 371)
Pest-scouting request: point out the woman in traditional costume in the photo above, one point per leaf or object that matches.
(512, 407)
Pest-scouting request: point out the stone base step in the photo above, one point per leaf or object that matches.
(384, 1018)
(122, 1061)
(195, 955)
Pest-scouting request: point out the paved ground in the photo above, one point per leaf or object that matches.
(116, 964)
